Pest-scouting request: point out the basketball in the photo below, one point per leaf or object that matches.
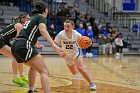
(84, 42)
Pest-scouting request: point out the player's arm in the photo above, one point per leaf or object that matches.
(45, 34)
(56, 43)
(18, 27)
(63, 54)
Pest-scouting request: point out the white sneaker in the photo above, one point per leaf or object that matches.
(90, 54)
(117, 55)
(92, 86)
(87, 54)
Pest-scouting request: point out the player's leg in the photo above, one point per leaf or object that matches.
(32, 77)
(20, 68)
(17, 67)
(16, 79)
(71, 65)
(21, 72)
(14, 68)
(38, 63)
(80, 67)
(73, 69)
(22, 80)
(6, 50)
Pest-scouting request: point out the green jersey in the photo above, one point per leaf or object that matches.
(9, 32)
(30, 29)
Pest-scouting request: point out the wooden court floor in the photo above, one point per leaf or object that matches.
(111, 75)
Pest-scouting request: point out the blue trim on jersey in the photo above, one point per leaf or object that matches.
(79, 53)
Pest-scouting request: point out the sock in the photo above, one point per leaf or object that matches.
(78, 75)
(21, 74)
(91, 82)
(15, 76)
(31, 88)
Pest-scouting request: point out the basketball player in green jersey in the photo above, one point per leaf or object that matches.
(8, 33)
(25, 42)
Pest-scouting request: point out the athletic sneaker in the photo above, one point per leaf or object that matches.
(30, 91)
(24, 78)
(92, 86)
(87, 54)
(90, 55)
(18, 81)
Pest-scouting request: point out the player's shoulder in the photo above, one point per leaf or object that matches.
(77, 33)
(37, 16)
(17, 24)
(61, 32)
(74, 31)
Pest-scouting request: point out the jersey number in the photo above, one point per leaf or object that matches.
(26, 24)
(69, 46)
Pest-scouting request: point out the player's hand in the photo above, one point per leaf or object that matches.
(62, 54)
(58, 50)
(39, 46)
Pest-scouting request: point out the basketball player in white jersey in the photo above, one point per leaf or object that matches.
(67, 38)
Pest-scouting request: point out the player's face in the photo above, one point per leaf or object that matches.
(68, 27)
(26, 18)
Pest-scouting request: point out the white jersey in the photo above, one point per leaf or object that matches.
(69, 45)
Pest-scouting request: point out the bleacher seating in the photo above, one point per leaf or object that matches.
(9, 13)
(133, 46)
